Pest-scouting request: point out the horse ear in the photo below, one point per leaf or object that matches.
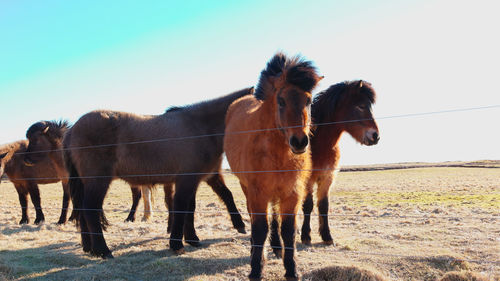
(321, 78)
(361, 83)
(45, 130)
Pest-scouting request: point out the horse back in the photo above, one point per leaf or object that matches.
(43, 172)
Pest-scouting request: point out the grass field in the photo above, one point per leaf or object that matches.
(407, 224)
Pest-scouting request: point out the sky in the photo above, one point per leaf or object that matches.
(61, 59)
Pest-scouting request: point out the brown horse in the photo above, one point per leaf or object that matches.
(279, 113)
(44, 138)
(343, 107)
(26, 178)
(47, 136)
(104, 145)
(216, 182)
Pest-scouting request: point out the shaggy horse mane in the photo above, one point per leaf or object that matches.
(210, 105)
(325, 102)
(298, 71)
(56, 128)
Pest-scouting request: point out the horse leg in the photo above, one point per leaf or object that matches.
(146, 199)
(136, 196)
(275, 235)
(288, 210)
(65, 203)
(95, 191)
(185, 189)
(168, 188)
(22, 192)
(258, 213)
(220, 188)
(189, 231)
(323, 190)
(307, 207)
(35, 199)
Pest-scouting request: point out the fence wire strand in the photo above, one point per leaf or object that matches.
(264, 130)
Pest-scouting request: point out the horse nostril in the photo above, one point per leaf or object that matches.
(299, 145)
(294, 141)
(304, 142)
(376, 137)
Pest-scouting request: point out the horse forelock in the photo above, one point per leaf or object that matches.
(296, 70)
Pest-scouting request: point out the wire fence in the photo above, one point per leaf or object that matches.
(263, 130)
(333, 215)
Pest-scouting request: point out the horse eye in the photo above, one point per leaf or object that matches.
(281, 102)
(360, 108)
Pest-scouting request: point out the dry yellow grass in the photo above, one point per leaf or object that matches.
(414, 224)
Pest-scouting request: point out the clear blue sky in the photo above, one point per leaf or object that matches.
(61, 59)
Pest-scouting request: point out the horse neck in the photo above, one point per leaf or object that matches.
(327, 136)
(213, 112)
(57, 158)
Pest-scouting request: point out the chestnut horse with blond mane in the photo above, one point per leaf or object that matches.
(278, 114)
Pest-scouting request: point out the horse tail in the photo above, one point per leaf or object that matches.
(75, 188)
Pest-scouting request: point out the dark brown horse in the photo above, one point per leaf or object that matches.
(216, 182)
(180, 157)
(343, 107)
(44, 142)
(47, 136)
(27, 177)
(281, 104)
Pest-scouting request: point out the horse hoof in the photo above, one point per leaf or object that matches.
(328, 242)
(254, 277)
(180, 252)
(108, 256)
(306, 242)
(61, 222)
(24, 221)
(39, 221)
(292, 278)
(242, 230)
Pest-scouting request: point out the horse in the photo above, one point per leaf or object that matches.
(343, 107)
(26, 178)
(103, 145)
(275, 122)
(47, 136)
(44, 140)
(216, 182)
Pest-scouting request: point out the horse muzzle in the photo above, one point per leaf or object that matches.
(371, 137)
(297, 145)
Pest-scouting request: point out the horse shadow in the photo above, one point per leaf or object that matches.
(7, 229)
(66, 261)
(19, 264)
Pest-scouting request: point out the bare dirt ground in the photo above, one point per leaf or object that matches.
(406, 224)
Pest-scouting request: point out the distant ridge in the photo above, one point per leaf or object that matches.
(488, 164)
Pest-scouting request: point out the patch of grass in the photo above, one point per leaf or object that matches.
(419, 198)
